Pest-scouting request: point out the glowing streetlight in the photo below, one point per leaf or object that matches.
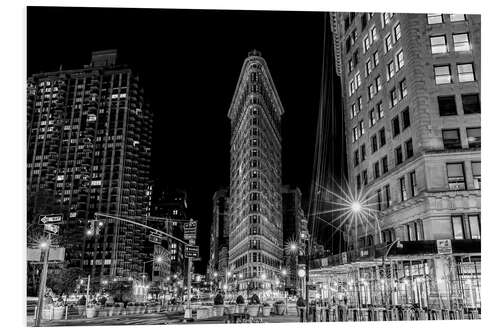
(240, 275)
(229, 274)
(44, 244)
(356, 206)
(159, 259)
(216, 274)
(263, 276)
(301, 273)
(284, 272)
(224, 287)
(293, 247)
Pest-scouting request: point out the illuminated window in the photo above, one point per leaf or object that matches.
(438, 44)
(461, 42)
(434, 18)
(465, 72)
(442, 74)
(457, 17)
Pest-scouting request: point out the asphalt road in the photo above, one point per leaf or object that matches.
(141, 319)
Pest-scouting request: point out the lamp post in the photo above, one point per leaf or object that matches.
(45, 249)
(157, 259)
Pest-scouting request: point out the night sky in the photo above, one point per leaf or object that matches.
(189, 62)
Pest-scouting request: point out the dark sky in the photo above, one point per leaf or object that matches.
(189, 62)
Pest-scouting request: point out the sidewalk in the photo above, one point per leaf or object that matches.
(290, 318)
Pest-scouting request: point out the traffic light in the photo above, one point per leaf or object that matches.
(90, 230)
(99, 226)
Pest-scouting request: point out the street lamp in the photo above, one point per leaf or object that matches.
(356, 206)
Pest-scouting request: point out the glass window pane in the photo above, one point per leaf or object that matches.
(455, 170)
(434, 18)
(476, 168)
(475, 232)
(465, 73)
(458, 232)
(438, 44)
(457, 17)
(461, 42)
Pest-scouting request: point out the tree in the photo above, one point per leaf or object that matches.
(64, 282)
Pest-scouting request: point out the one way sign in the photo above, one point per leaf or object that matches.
(54, 218)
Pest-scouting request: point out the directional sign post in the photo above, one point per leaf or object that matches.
(191, 251)
(190, 230)
(52, 219)
(155, 238)
(52, 228)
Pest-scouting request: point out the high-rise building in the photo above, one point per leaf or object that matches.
(411, 99)
(294, 223)
(219, 236)
(89, 150)
(173, 205)
(256, 235)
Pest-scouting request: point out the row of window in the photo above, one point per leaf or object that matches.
(461, 43)
(393, 67)
(448, 107)
(439, 18)
(451, 138)
(362, 178)
(442, 73)
(456, 175)
(463, 227)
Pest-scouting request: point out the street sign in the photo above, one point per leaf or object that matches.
(56, 254)
(191, 251)
(190, 230)
(444, 246)
(53, 218)
(155, 238)
(52, 228)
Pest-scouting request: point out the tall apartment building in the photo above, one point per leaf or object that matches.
(219, 236)
(89, 149)
(294, 223)
(411, 103)
(255, 235)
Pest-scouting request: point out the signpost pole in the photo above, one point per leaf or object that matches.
(43, 281)
(88, 292)
(189, 286)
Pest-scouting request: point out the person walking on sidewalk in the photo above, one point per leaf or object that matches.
(301, 307)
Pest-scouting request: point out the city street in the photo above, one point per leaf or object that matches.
(154, 319)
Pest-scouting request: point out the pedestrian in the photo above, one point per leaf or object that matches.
(301, 305)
